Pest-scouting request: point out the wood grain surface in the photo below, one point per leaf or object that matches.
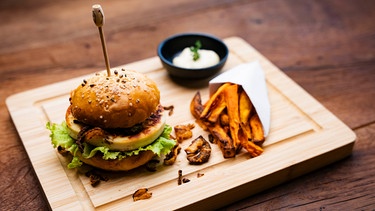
(327, 47)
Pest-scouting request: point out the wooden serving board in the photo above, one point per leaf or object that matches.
(303, 137)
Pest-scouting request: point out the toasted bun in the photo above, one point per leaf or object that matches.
(122, 100)
(124, 164)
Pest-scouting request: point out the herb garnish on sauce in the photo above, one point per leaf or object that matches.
(194, 49)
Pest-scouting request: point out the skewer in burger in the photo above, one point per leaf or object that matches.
(114, 122)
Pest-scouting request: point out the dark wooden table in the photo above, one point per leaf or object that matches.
(326, 46)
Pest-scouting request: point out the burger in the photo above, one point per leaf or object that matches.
(114, 122)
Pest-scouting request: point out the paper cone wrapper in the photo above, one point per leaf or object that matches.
(251, 77)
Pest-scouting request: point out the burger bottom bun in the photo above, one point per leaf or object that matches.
(124, 164)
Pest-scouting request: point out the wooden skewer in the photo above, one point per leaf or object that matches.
(98, 17)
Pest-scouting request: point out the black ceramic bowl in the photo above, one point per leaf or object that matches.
(173, 45)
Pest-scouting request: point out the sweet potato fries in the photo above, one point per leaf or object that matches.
(231, 119)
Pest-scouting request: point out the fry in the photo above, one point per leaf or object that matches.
(224, 119)
(196, 109)
(257, 129)
(231, 99)
(225, 143)
(196, 106)
(212, 99)
(245, 108)
(216, 109)
(253, 149)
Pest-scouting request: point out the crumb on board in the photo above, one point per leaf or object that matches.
(141, 194)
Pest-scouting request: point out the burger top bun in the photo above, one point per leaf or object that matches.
(121, 100)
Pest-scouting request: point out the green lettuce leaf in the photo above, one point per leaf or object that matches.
(60, 137)
(75, 163)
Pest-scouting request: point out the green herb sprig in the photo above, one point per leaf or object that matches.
(194, 49)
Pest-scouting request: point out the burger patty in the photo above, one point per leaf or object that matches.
(119, 139)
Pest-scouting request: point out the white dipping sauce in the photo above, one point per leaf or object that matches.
(185, 59)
